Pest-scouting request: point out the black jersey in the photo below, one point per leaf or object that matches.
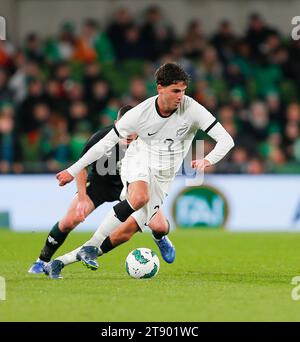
(105, 170)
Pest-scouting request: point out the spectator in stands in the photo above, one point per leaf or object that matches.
(210, 68)
(138, 92)
(85, 44)
(194, 41)
(156, 33)
(78, 116)
(6, 54)
(33, 48)
(255, 166)
(5, 92)
(22, 70)
(54, 93)
(10, 148)
(257, 33)
(101, 95)
(116, 30)
(92, 74)
(224, 41)
(132, 45)
(35, 96)
(62, 48)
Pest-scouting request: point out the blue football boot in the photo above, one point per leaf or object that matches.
(166, 248)
(37, 267)
(88, 255)
(53, 269)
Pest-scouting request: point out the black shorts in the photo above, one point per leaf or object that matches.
(100, 192)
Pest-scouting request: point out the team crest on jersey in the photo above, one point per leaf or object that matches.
(182, 130)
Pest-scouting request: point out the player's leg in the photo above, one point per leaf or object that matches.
(59, 233)
(158, 224)
(61, 229)
(122, 234)
(137, 192)
(137, 197)
(160, 228)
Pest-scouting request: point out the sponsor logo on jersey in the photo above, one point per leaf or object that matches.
(199, 207)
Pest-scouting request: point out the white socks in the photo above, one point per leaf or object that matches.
(110, 223)
(69, 258)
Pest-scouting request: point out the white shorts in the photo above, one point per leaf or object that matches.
(158, 191)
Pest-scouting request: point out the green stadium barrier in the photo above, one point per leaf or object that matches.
(4, 220)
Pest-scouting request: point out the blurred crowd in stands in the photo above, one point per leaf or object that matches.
(55, 92)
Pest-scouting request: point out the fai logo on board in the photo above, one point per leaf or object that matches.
(199, 207)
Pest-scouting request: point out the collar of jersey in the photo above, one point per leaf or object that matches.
(158, 111)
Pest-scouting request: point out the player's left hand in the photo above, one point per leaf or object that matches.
(64, 177)
(200, 164)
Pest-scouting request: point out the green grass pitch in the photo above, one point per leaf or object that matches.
(217, 276)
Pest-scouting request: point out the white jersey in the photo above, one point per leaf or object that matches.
(163, 141)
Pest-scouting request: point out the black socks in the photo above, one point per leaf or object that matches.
(54, 240)
(106, 245)
(123, 210)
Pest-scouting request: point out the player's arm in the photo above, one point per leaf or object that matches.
(83, 200)
(94, 153)
(81, 178)
(127, 125)
(224, 142)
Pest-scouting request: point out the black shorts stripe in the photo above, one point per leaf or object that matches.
(116, 131)
(211, 126)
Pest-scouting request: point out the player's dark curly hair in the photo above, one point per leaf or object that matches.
(171, 73)
(123, 110)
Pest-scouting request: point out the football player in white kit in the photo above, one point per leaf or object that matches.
(166, 125)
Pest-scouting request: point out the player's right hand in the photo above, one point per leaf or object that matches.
(64, 177)
(200, 164)
(82, 209)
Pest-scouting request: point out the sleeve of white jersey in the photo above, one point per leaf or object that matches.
(224, 143)
(95, 152)
(128, 124)
(203, 118)
(210, 125)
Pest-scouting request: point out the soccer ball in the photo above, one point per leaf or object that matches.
(142, 263)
